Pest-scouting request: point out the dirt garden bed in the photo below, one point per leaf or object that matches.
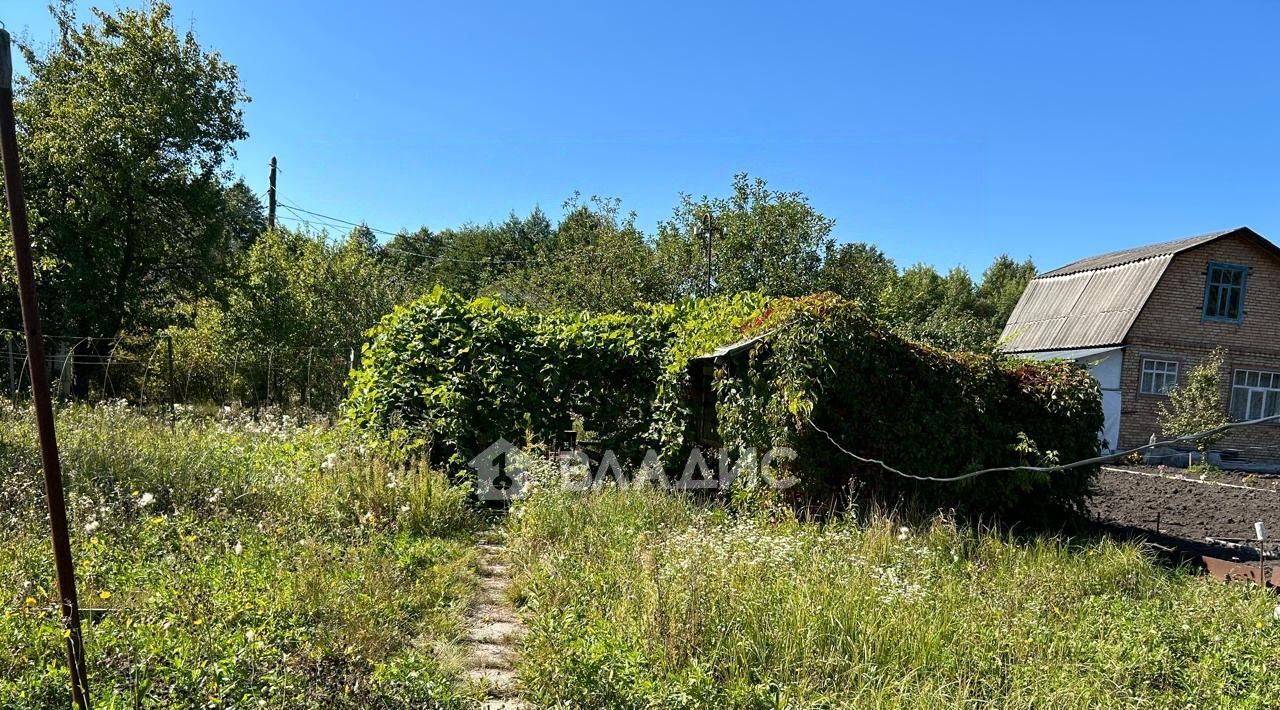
(1185, 507)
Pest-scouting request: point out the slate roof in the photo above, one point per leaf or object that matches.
(1093, 302)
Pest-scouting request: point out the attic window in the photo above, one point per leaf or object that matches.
(1224, 292)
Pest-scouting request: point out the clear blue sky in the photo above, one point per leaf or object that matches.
(943, 132)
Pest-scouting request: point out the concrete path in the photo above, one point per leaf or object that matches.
(490, 646)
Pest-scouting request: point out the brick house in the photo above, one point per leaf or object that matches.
(1140, 318)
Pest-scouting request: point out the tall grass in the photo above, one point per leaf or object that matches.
(233, 562)
(646, 600)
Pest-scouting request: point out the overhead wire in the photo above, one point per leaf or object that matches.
(1045, 469)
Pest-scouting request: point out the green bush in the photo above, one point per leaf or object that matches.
(922, 410)
(465, 373)
(455, 375)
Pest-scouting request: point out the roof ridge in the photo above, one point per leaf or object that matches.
(1131, 255)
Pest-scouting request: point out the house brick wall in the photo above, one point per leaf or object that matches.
(1171, 327)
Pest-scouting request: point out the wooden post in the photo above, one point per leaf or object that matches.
(271, 196)
(54, 495)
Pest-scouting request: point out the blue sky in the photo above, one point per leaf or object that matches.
(943, 132)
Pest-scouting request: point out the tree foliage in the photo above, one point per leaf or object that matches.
(125, 125)
(1196, 404)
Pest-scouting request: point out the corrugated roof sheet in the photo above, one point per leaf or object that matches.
(1084, 309)
(1093, 302)
(1116, 258)
(732, 348)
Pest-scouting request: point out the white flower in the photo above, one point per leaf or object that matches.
(1276, 614)
(92, 526)
(146, 500)
(239, 548)
(329, 460)
(904, 533)
(404, 508)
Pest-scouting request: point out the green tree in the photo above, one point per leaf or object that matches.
(304, 300)
(125, 125)
(1196, 405)
(1002, 285)
(597, 260)
(859, 272)
(763, 240)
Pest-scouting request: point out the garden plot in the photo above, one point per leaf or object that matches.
(1223, 505)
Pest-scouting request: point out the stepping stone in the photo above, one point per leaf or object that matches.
(489, 655)
(499, 683)
(499, 569)
(494, 632)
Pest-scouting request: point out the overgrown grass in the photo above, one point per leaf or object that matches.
(233, 562)
(645, 600)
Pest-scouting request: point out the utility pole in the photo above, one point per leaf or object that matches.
(271, 196)
(54, 495)
(706, 231)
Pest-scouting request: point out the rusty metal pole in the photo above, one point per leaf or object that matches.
(173, 410)
(40, 384)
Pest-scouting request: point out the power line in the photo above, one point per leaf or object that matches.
(338, 223)
(1046, 469)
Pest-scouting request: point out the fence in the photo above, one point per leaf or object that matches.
(183, 366)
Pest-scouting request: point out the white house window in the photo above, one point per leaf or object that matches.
(1159, 376)
(1255, 394)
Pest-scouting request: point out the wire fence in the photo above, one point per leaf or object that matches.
(182, 367)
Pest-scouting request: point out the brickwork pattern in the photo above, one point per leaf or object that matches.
(1172, 327)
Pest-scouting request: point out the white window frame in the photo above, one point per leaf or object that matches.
(1254, 394)
(1166, 372)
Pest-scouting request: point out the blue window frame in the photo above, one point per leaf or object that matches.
(1224, 292)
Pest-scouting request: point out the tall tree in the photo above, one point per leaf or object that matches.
(859, 272)
(1002, 285)
(125, 125)
(597, 259)
(763, 240)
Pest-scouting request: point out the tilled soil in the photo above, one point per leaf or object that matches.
(1188, 509)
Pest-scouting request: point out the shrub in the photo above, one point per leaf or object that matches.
(457, 375)
(922, 410)
(1196, 406)
(465, 373)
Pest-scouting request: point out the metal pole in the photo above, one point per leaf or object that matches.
(306, 387)
(706, 232)
(54, 495)
(173, 409)
(271, 196)
(13, 380)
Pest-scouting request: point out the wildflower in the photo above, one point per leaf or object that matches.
(104, 595)
(329, 460)
(197, 622)
(1276, 614)
(239, 548)
(904, 533)
(30, 601)
(92, 526)
(404, 508)
(146, 500)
